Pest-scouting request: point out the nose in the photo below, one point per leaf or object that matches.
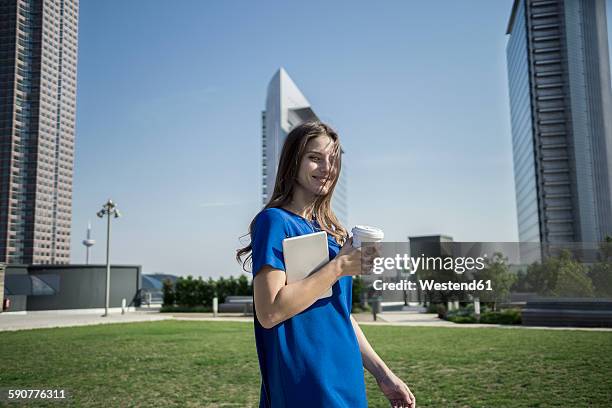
(326, 164)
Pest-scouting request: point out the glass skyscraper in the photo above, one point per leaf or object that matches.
(38, 62)
(287, 107)
(561, 116)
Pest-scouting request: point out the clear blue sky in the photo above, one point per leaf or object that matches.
(168, 119)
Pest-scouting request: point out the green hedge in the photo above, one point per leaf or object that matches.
(357, 308)
(466, 315)
(189, 292)
(462, 319)
(508, 316)
(185, 309)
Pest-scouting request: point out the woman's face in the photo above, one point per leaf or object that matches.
(318, 167)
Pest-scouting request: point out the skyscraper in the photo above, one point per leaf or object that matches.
(561, 115)
(38, 62)
(287, 107)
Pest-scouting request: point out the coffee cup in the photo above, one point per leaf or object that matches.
(365, 233)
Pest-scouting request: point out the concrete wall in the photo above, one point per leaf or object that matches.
(17, 286)
(58, 287)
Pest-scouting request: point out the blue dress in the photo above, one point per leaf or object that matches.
(312, 359)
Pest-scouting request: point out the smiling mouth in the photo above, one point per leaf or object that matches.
(320, 179)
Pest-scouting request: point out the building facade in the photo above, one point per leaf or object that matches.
(561, 117)
(38, 62)
(287, 107)
(71, 287)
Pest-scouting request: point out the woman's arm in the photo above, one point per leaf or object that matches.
(276, 302)
(371, 361)
(394, 389)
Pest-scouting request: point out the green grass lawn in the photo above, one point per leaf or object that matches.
(214, 364)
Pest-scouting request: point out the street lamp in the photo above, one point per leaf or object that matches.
(108, 209)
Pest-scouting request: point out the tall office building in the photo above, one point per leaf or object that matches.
(38, 61)
(287, 107)
(561, 115)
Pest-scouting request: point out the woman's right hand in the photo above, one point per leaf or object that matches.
(349, 260)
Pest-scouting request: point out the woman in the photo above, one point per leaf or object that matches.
(311, 352)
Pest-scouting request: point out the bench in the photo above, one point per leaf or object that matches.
(568, 312)
(237, 304)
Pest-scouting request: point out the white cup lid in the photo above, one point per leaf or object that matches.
(365, 231)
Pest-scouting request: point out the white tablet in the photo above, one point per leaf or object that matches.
(304, 255)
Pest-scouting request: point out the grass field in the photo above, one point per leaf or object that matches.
(214, 364)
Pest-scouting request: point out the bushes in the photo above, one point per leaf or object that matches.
(462, 319)
(357, 292)
(231, 287)
(185, 309)
(193, 293)
(508, 316)
(190, 293)
(168, 292)
(564, 276)
(432, 307)
(466, 315)
(463, 315)
(441, 310)
(358, 308)
(187, 291)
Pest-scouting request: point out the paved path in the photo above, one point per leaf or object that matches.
(431, 320)
(398, 318)
(37, 320)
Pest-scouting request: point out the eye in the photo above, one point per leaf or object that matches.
(314, 158)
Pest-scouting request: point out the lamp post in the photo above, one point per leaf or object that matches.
(108, 209)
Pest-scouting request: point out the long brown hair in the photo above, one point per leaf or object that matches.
(291, 157)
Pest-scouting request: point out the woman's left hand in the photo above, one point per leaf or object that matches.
(396, 391)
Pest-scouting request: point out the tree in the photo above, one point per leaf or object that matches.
(573, 278)
(560, 276)
(496, 270)
(606, 249)
(244, 288)
(521, 285)
(206, 291)
(440, 275)
(168, 293)
(601, 272)
(601, 276)
(358, 288)
(187, 291)
(540, 277)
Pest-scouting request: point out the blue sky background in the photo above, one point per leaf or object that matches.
(169, 119)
